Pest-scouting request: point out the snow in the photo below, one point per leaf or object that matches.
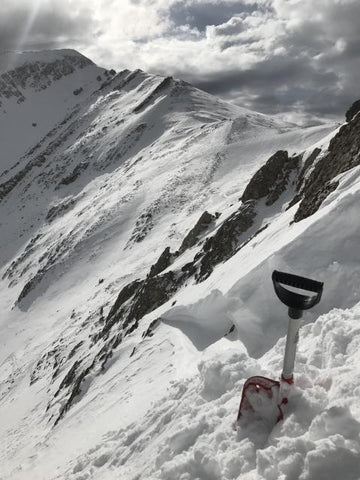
(13, 59)
(165, 410)
(188, 433)
(41, 110)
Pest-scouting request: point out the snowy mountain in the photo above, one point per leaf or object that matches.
(141, 219)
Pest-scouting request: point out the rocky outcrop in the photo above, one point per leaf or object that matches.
(60, 209)
(129, 77)
(39, 75)
(343, 154)
(193, 236)
(307, 165)
(154, 292)
(134, 301)
(164, 84)
(41, 158)
(225, 242)
(74, 174)
(163, 262)
(271, 180)
(352, 111)
(304, 171)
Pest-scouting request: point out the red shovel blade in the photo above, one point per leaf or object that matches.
(260, 395)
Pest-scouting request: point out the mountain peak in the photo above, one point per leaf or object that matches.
(13, 60)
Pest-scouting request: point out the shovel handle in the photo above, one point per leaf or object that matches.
(296, 301)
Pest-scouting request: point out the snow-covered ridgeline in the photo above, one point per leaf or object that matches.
(127, 172)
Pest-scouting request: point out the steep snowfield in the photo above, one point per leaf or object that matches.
(37, 91)
(126, 171)
(187, 434)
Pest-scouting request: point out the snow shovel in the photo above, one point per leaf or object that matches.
(264, 396)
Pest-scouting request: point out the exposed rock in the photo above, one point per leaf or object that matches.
(137, 299)
(201, 226)
(231, 330)
(162, 86)
(29, 249)
(189, 268)
(75, 382)
(77, 91)
(154, 292)
(144, 224)
(162, 263)
(153, 325)
(126, 293)
(344, 154)
(39, 160)
(59, 209)
(74, 349)
(300, 183)
(69, 377)
(49, 359)
(225, 242)
(307, 165)
(130, 76)
(39, 75)
(31, 284)
(271, 180)
(352, 111)
(74, 174)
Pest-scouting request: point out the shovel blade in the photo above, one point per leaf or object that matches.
(260, 399)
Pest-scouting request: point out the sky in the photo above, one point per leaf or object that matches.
(298, 59)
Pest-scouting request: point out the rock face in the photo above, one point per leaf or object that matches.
(74, 174)
(166, 83)
(194, 234)
(163, 262)
(353, 110)
(272, 179)
(344, 154)
(39, 75)
(300, 182)
(225, 242)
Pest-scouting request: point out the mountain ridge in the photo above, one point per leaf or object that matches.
(136, 234)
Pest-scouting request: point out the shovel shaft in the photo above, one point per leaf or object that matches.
(290, 348)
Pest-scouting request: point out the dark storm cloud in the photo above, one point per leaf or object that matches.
(275, 85)
(272, 73)
(290, 87)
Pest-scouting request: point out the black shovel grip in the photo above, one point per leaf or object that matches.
(296, 301)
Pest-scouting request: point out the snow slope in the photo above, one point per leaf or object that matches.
(124, 173)
(37, 90)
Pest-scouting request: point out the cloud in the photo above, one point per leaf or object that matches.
(201, 14)
(44, 24)
(287, 56)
